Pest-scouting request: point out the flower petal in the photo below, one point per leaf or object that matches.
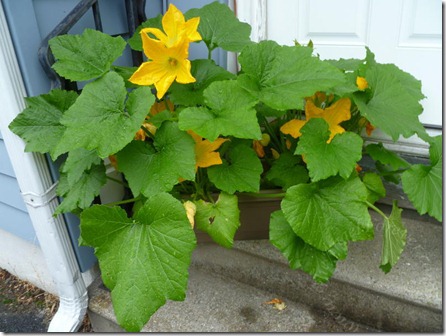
(164, 84)
(183, 72)
(144, 75)
(157, 32)
(191, 27)
(173, 22)
(293, 127)
(153, 49)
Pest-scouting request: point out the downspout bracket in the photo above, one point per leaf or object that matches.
(40, 200)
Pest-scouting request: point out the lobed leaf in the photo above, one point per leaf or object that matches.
(394, 106)
(219, 27)
(328, 159)
(80, 193)
(79, 161)
(230, 111)
(145, 258)
(282, 76)
(39, 124)
(220, 219)
(113, 121)
(153, 169)
(328, 212)
(424, 187)
(394, 239)
(86, 56)
(319, 264)
(240, 172)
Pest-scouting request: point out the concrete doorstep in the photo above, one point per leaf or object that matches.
(228, 290)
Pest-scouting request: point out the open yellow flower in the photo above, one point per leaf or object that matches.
(333, 115)
(205, 151)
(168, 55)
(176, 28)
(165, 65)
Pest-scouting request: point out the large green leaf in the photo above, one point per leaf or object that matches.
(287, 171)
(79, 161)
(282, 76)
(144, 260)
(394, 106)
(319, 264)
(231, 112)
(394, 239)
(86, 56)
(328, 212)
(379, 153)
(152, 169)
(39, 124)
(80, 193)
(220, 219)
(205, 72)
(424, 184)
(241, 172)
(328, 159)
(104, 117)
(219, 27)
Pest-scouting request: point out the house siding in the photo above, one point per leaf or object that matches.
(13, 215)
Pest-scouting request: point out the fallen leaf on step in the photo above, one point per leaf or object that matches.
(278, 304)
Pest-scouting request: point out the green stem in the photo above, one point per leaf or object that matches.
(130, 200)
(374, 208)
(209, 53)
(265, 195)
(272, 134)
(167, 105)
(117, 181)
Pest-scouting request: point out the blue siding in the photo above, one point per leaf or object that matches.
(13, 215)
(5, 164)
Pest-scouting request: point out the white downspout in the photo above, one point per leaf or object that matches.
(38, 191)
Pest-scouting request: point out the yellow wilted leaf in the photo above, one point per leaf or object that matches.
(191, 209)
(278, 304)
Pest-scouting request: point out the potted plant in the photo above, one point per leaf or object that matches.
(190, 138)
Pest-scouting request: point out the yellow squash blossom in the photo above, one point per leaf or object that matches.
(164, 67)
(333, 115)
(167, 56)
(205, 155)
(160, 106)
(361, 83)
(176, 28)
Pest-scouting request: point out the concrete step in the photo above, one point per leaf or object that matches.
(220, 304)
(228, 290)
(409, 298)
